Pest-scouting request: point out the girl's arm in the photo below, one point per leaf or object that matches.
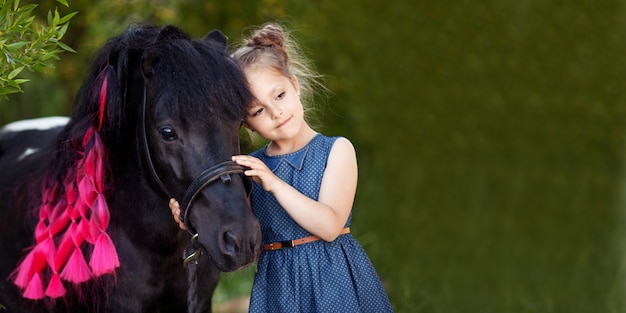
(326, 217)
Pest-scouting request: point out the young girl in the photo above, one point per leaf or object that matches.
(303, 195)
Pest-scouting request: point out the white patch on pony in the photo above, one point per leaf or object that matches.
(43, 123)
(26, 153)
(36, 124)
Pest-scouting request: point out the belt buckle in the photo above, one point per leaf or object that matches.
(281, 245)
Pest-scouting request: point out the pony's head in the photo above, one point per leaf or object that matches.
(156, 111)
(196, 97)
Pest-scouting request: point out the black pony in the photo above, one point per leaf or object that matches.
(84, 221)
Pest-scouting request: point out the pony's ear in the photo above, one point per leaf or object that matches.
(149, 61)
(217, 36)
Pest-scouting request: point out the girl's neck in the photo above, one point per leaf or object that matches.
(280, 147)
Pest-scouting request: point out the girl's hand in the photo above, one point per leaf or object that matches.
(175, 208)
(259, 172)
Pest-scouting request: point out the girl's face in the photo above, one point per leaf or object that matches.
(277, 113)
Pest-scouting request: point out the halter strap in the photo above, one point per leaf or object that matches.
(146, 149)
(221, 171)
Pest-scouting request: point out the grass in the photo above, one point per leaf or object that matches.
(232, 294)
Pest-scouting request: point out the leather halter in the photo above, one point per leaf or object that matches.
(221, 170)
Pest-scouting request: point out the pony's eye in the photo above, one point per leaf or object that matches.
(168, 133)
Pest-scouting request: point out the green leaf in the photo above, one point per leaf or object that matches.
(63, 2)
(56, 19)
(17, 82)
(65, 47)
(38, 68)
(9, 90)
(21, 81)
(67, 17)
(4, 12)
(62, 31)
(15, 72)
(16, 45)
(28, 8)
(49, 55)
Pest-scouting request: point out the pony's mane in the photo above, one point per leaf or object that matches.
(71, 239)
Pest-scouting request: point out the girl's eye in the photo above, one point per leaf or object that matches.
(280, 95)
(168, 133)
(257, 112)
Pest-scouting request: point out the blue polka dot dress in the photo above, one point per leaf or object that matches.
(314, 277)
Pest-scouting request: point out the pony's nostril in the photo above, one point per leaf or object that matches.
(253, 247)
(229, 243)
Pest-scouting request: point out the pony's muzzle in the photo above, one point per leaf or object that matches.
(237, 244)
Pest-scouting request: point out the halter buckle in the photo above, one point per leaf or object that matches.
(193, 256)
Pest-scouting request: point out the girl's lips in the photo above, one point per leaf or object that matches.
(283, 123)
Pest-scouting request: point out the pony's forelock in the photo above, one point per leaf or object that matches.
(221, 81)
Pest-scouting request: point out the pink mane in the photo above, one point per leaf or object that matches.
(73, 215)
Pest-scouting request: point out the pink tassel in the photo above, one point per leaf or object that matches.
(34, 290)
(25, 271)
(76, 269)
(55, 287)
(48, 250)
(34, 262)
(104, 258)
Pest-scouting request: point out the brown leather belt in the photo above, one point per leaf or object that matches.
(292, 243)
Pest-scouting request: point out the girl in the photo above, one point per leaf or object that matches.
(303, 195)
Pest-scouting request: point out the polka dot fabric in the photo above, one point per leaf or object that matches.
(313, 277)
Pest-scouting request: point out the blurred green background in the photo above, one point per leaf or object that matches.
(490, 137)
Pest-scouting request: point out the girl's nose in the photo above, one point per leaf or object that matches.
(276, 112)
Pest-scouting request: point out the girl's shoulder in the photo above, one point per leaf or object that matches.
(335, 150)
(338, 143)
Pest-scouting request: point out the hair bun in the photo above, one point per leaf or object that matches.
(267, 37)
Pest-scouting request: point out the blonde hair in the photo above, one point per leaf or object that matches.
(271, 46)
